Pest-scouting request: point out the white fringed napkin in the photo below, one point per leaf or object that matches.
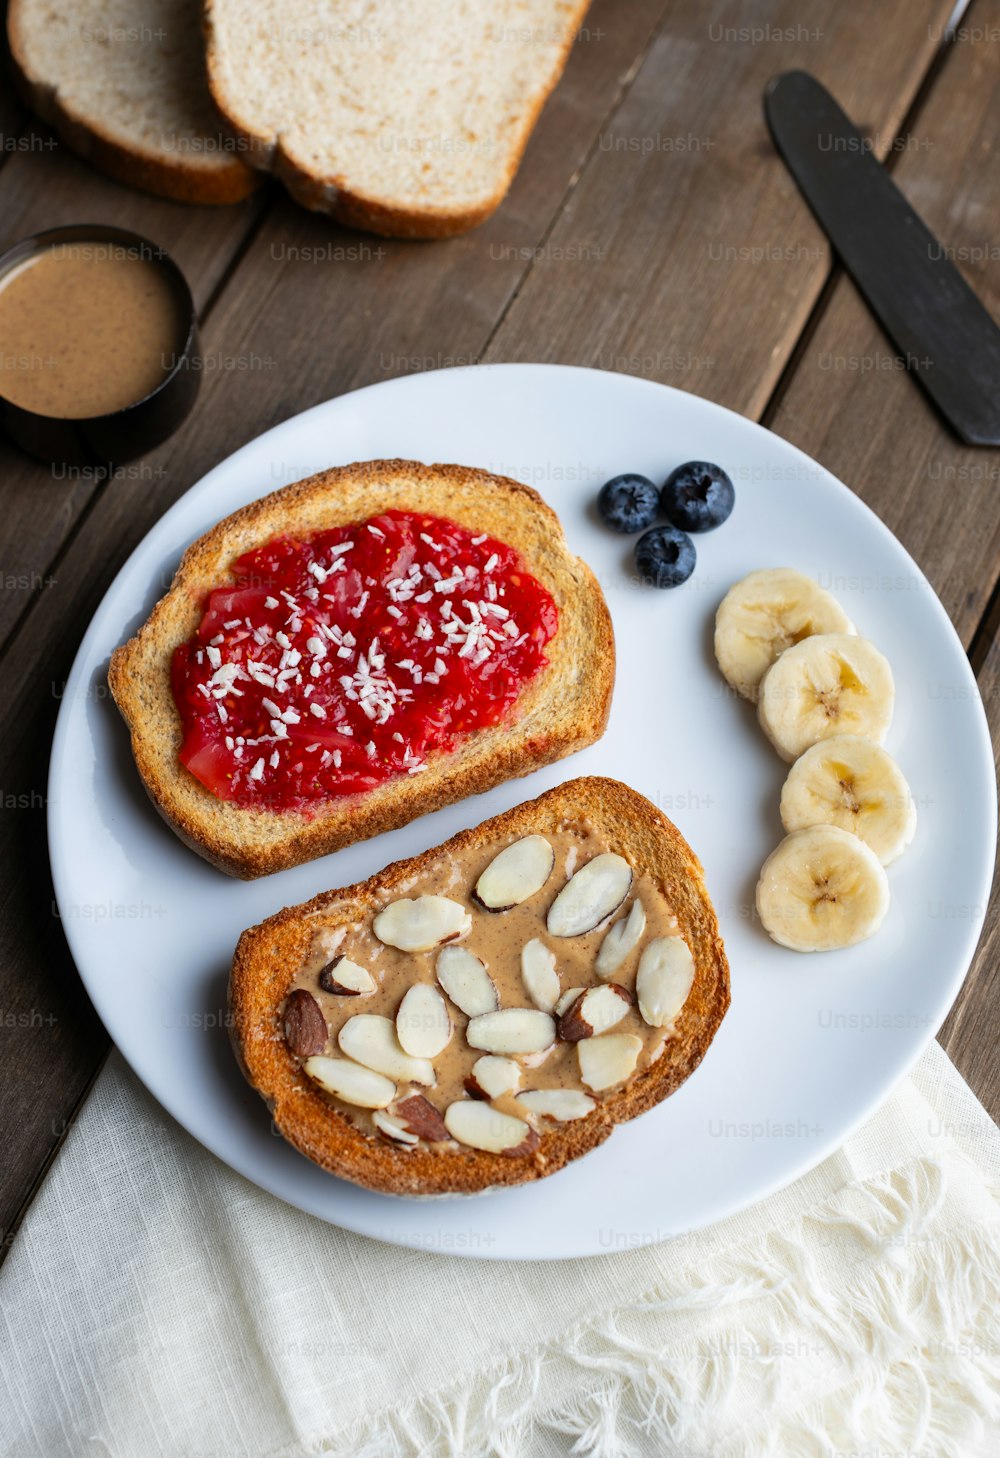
(156, 1305)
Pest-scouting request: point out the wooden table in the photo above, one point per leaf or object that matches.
(651, 229)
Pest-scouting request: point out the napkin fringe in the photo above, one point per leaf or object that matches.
(908, 1350)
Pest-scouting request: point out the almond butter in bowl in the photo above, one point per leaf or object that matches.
(486, 1012)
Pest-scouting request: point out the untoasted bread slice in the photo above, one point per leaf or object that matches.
(124, 84)
(406, 120)
(268, 955)
(559, 711)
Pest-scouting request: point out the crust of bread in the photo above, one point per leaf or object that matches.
(355, 209)
(268, 955)
(562, 709)
(149, 171)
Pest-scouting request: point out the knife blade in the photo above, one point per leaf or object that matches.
(948, 341)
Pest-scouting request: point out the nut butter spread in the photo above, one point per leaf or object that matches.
(499, 989)
(86, 329)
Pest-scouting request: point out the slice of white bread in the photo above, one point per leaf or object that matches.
(269, 955)
(559, 711)
(407, 119)
(123, 82)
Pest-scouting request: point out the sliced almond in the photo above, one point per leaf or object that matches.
(466, 981)
(594, 1011)
(539, 975)
(516, 874)
(607, 1061)
(561, 1104)
(392, 1129)
(371, 1040)
(423, 1023)
(492, 1077)
(305, 1026)
(512, 1030)
(589, 897)
(567, 1000)
(664, 979)
(327, 941)
(535, 1060)
(422, 1118)
(623, 937)
(346, 978)
(420, 924)
(347, 1080)
(483, 1127)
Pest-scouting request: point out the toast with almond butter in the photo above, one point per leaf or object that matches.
(356, 650)
(484, 1013)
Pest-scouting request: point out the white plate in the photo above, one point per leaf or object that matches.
(811, 1045)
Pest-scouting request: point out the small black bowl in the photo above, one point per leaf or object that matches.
(106, 440)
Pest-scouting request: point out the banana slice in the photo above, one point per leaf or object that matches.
(852, 783)
(765, 613)
(830, 684)
(822, 888)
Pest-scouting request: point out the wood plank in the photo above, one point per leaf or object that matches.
(969, 1034)
(331, 323)
(14, 136)
(686, 193)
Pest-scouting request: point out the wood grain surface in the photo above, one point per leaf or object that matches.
(651, 229)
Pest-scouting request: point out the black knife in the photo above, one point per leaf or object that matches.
(947, 339)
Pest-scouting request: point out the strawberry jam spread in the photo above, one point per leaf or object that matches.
(338, 661)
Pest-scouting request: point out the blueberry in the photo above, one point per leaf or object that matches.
(665, 557)
(628, 503)
(697, 496)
